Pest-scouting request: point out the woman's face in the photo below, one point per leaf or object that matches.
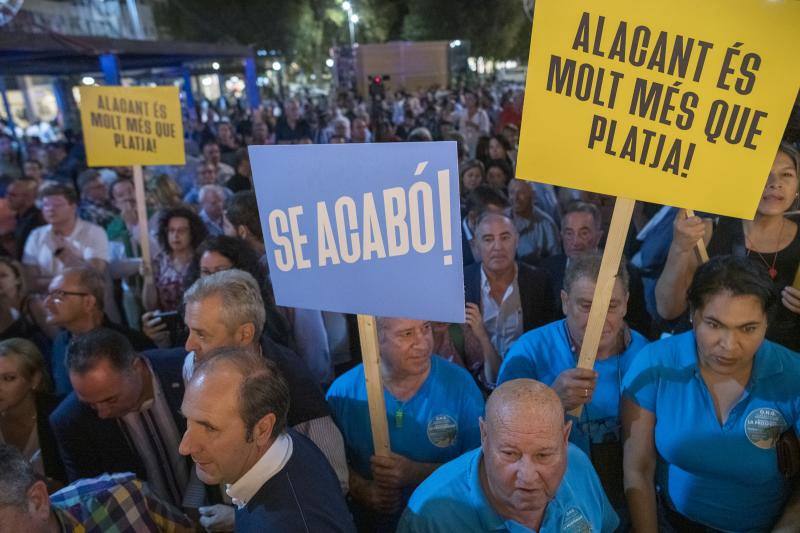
(212, 262)
(729, 329)
(179, 234)
(780, 192)
(472, 178)
(9, 284)
(14, 386)
(496, 178)
(496, 150)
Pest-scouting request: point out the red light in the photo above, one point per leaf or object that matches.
(377, 79)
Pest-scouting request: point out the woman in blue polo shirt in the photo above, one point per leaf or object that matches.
(702, 413)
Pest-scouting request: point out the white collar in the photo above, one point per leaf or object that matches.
(265, 468)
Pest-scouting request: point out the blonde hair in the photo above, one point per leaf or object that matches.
(30, 358)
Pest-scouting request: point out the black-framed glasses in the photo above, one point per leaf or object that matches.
(60, 295)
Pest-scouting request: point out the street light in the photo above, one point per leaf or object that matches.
(352, 20)
(329, 63)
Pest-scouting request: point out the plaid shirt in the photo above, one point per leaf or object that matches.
(115, 502)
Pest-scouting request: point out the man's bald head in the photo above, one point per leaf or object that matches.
(524, 400)
(524, 444)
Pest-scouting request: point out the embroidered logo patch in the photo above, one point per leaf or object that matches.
(442, 431)
(763, 426)
(575, 522)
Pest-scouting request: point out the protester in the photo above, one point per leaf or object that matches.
(549, 354)
(236, 406)
(771, 241)
(432, 406)
(526, 476)
(705, 412)
(21, 195)
(25, 405)
(74, 304)
(473, 122)
(94, 206)
(211, 199)
(65, 241)
(26, 314)
(538, 233)
(470, 177)
(117, 502)
(498, 174)
(212, 156)
(180, 232)
(225, 309)
(123, 415)
(581, 231)
(512, 297)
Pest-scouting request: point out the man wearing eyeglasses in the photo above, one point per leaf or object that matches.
(66, 241)
(74, 303)
(549, 354)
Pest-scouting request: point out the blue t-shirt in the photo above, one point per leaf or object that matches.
(724, 476)
(452, 499)
(544, 353)
(439, 423)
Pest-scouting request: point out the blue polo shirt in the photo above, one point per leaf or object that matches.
(544, 353)
(439, 423)
(452, 499)
(724, 476)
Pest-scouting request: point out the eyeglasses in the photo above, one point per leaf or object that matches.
(60, 295)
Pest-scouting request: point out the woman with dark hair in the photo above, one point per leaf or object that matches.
(180, 232)
(470, 176)
(224, 253)
(498, 174)
(26, 404)
(704, 412)
(771, 241)
(499, 149)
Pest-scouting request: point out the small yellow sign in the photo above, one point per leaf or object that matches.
(132, 126)
(680, 103)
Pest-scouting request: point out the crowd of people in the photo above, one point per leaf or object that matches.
(175, 393)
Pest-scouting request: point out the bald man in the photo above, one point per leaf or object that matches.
(526, 476)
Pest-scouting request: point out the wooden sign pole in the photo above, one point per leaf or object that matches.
(702, 253)
(370, 351)
(617, 234)
(141, 211)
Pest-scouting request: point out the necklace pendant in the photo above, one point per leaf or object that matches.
(773, 273)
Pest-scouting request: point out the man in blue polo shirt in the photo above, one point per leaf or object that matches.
(549, 354)
(432, 408)
(525, 477)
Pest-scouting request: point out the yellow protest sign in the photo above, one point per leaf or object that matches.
(680, 103)
(132, 126)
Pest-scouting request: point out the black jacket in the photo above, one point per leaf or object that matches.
(538, 306)
(91, 446)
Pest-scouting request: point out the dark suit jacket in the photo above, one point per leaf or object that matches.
(538, 306)
(554, 266)
(91, 446)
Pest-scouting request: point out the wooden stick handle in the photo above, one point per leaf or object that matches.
(370, 350)
(612, 255)
(702, 253)
(141, 211)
